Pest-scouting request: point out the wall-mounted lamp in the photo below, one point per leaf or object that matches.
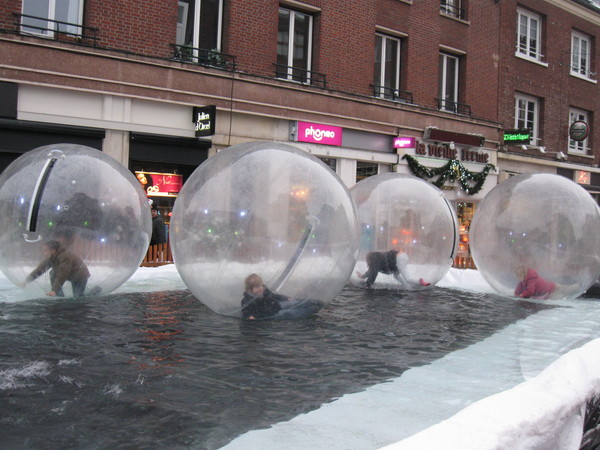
(452, 145)
(559, 155)
(542, 149)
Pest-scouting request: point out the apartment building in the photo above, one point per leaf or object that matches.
(548, 84)
(437, 88)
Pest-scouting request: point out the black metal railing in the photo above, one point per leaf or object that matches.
(204, 57)
(392, 94)
(453, 10)
(299, 75)
(56, 29)
(453, 107)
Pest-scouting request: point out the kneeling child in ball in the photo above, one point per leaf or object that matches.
(65, 266)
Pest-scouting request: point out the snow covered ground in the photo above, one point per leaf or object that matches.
(524, 387)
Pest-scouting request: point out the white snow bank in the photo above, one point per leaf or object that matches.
(542, 413)
(466, 280)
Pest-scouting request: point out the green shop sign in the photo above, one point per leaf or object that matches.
(520, 136)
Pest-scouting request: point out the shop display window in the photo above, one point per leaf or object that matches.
(331, 162)
(365, 170)
(464, 212)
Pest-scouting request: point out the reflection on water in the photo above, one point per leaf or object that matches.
(161, 329)
(160, 370)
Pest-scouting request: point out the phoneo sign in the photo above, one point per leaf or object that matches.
(319, 134)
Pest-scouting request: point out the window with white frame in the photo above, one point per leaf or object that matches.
(580, 55)
(448, 82)
(294, 45)
(580, 147)
(199, 24)
(527, 111)
(529, 35)
(452, 8)
(387, 66)
(45, 17)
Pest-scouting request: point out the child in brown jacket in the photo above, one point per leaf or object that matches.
(65, 265)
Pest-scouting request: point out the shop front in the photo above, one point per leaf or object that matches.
(162, 164)
(460, 166)
(18, 136)
(457, 163)
(587, 177)
(352, 154)
(143, 135)
(584, 177)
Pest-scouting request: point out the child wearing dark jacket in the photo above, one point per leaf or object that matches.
(260, 302)
(390, 263)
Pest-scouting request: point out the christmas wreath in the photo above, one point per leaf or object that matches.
(453, 170)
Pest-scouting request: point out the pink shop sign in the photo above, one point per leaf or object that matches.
(319, 134)
(405, 142)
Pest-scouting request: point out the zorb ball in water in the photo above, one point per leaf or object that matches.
(537, 224)
(80, 197)
(264, 208)
(410, 216)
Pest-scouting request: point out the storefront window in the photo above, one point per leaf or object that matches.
(365, 170)
(464, 212)
(331, 162)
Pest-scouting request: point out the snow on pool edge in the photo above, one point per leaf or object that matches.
(546, 411)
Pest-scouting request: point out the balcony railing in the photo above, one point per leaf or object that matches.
(583, 71)
(300, 75)
(208, 58)
(56, 29)
(454, 107)
(392, 94)
(453, 10)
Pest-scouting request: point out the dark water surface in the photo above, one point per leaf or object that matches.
(160, 370)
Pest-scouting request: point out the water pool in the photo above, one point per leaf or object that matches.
(160, 370)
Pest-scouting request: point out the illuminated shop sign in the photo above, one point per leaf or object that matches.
(317, 133)
(205, 120)
(405, 142)
(157, 184)
(518, 136)
(582, 177)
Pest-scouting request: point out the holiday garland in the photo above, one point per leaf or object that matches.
(453, 170)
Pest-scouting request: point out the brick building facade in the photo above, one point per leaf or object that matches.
(551, 81)
(452, 75)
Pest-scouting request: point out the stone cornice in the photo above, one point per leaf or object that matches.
(577, 10)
